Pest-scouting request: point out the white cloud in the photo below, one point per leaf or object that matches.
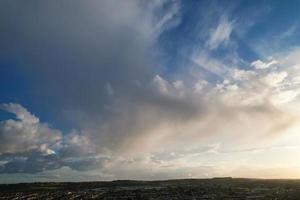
(169, 19)
(274, 78)
(26, 133)
(161, 85)
(161, 124)
(20, 112)
(199, 85)
(29, 146)
(242, 75)
(284, 96)
(221, 34)
(210, 64)
(258, 64)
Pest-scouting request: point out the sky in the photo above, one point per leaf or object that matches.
(147, 90)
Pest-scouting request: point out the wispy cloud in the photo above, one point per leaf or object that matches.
(258, 64)
(221, 33)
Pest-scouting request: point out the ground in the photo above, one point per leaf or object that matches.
(216, 188)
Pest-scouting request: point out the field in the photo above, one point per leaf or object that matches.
(216, 188)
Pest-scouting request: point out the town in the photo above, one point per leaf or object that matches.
(216, 188)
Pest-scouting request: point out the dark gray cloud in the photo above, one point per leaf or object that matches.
(35, 161)
(72, 51)
(85, 62)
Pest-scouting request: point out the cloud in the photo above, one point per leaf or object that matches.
(161, 85)
(29, 146)
(97, 67)
(169, 12)
(275, 78)
(169, 120)
(221, 34)
(21, 113)
(87, 52)
(290, 31)
(210, 64)
(159, 118)
(243, 75)
(258, 64)
(26, 133)
(199, 85)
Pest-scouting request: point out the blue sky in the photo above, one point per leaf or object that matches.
(104, 90)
